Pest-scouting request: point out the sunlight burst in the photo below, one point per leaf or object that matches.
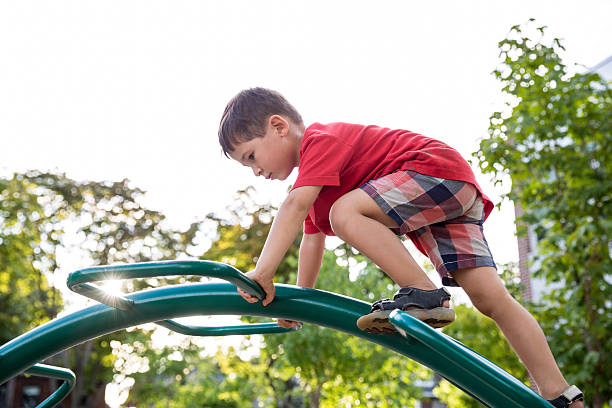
(113, 287)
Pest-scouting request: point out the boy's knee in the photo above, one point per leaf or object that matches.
(490, 304)
(340, 216)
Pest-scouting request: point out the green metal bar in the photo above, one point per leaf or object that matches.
(479, 375)
(243, 329)
(98, 294)
(291, 302)
(80, 281)
(44, 370)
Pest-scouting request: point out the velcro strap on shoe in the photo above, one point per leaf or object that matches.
(408, 297)
(566, 398)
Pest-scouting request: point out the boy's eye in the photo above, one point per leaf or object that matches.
(251, 156)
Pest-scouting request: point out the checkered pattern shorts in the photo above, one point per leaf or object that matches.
(443, 217)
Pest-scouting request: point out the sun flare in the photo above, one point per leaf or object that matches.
(113, 287)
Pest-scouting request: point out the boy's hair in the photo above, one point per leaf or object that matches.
(246, 115)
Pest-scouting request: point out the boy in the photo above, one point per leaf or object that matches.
(367, 184)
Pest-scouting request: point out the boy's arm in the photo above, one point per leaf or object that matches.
(311, 254)
(285, 228)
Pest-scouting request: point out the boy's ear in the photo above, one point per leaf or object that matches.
(279, 124)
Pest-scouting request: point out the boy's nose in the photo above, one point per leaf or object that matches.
(257, 171)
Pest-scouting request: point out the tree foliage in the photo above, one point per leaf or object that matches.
(105, 223)
(28, 241)
(554, 140)
(240, 235)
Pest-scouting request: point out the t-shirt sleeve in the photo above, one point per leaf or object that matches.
(322, 157)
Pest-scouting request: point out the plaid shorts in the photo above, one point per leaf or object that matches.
(442, 217)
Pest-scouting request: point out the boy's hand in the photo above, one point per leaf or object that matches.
(266, 283)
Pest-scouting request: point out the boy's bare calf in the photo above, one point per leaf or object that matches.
(489, 295)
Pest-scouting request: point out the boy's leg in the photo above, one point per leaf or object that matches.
(360, 222)
(489, 295)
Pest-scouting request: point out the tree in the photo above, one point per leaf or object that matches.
(554, 140)
(240, 235)
(111, 225)
(27, 249)
(178, 375)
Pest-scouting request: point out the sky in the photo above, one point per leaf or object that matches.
(107, 90)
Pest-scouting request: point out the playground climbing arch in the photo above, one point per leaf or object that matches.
(467, 370)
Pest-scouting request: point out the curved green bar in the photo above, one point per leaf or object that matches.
(44, 370)
(242, 329)
(291, 302)
(80, 281)
(477, 369)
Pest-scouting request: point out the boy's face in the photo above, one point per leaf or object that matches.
(273, 156)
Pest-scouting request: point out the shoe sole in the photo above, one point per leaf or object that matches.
(378, 322)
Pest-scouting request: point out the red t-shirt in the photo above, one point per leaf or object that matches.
(342, 157)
